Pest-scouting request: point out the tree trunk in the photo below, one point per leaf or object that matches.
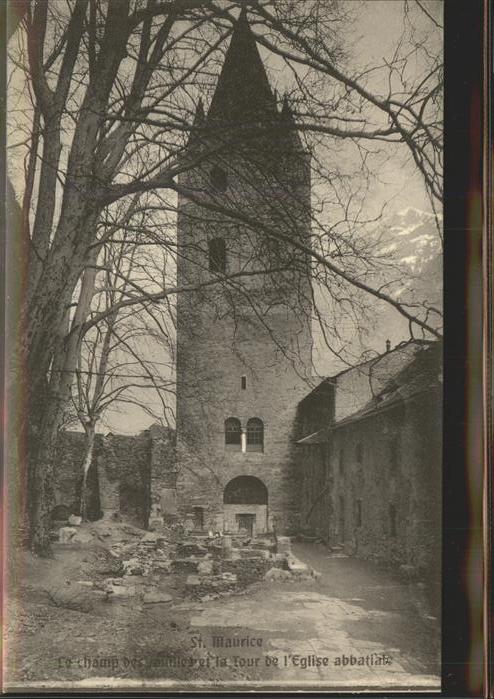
(47, 402)
(86, 464)
(41, 481)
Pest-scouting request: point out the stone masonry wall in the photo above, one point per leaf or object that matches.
(396, 486)
(126, 475)
(259, 329)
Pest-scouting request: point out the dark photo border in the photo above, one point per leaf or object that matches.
(468, 60)
(466, 29)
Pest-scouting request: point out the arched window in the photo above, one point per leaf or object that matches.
(219, 179)
(233, 434)
(255, 434)
(217, 255)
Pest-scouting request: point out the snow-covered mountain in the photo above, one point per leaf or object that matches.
(413, 237)
(412, 241)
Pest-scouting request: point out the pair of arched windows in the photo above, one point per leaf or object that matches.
(254, 437)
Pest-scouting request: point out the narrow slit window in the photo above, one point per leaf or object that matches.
(217, 255)
(243, 382)
(219, 179)
(392, 521)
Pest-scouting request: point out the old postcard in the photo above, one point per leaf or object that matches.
(225, 345)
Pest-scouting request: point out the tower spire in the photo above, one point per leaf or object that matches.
(242, 93)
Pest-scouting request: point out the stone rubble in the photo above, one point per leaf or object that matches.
(211, 566)
(66, 534)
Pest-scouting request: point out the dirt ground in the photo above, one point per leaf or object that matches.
(352, 627)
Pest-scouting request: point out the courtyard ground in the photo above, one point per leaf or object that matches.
(354, 626)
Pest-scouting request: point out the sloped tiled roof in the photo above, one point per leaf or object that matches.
(417, 374)
(410, 369)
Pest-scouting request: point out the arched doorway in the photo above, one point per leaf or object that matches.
(245, 504)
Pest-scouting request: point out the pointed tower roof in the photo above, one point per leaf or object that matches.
(242, 93)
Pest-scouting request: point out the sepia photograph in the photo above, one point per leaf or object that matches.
(224, 345)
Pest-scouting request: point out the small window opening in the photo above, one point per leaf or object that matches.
(198, 518)
(392, 521)
(219, 179)
(359, 453)
(255, 434)
(217, 255)
(243, 382)
(358, 513)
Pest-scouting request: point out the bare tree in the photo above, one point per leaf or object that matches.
(113, 369)
(111, 88)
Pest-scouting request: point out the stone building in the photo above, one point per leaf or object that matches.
(371, 457)
(243, 345)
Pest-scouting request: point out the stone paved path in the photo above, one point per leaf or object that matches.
(354, 628)
(326, 634)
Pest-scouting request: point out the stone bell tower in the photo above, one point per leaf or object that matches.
(244, 323)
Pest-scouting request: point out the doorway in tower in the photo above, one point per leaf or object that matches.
(245, 506)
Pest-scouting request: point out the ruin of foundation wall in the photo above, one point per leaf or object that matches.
(127, 477)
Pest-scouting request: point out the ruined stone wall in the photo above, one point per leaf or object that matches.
(127, 473)
(69, 457)
(124, 469)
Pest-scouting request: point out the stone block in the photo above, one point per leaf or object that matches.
(83, 536)
(156, 598)
(66, 534)
(133, 567)
(168, 501)
(283, 545)
(205, 567)
(297, 567)
(193, 581)
(75, 520)
(121, 591)
(185, 564)
(163, 566)
(277, 575)
(231, 577)
(191, 548)
(72, 597)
